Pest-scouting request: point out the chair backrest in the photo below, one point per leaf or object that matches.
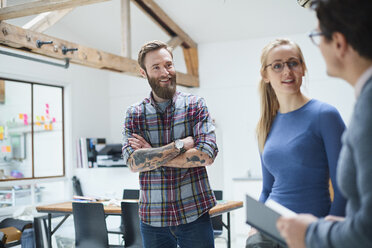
(40, 229)
(131, 194)
(90, 225)
(217, 220)
(131, 222)
(77, 186)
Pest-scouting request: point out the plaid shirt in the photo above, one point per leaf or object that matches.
(172, 196)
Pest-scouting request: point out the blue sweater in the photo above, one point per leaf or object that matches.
(300, 154)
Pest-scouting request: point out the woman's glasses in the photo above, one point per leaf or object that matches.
(278, 66)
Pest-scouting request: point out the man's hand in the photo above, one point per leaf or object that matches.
(188, 143)
(293, 229)
(334, 218)
(137, 142)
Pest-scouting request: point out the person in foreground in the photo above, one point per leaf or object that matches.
(345, 41)
(169, 139)
(299, 139)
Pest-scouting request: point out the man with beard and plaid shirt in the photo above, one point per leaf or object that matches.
(169, 139)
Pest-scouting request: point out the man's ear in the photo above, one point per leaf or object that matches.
(340, 44)
(143, 73)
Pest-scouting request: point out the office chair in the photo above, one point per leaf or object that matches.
(131, 222)
(17, 225)
(217, 220)
(2, 240)
(90, 226)
(132, 194)
(77, 186)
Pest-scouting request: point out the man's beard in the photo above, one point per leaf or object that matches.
(166, 92)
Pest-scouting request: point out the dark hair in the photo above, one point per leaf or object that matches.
(352, 18)
(148, 47)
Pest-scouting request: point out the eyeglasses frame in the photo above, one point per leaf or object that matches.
(285, 63)
(313, 34)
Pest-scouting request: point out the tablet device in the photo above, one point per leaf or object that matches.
(264, 216)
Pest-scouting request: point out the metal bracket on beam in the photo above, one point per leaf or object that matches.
(66, 65)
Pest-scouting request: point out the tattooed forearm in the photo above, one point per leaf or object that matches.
(195, 159)
(152, 158)
(192, 158)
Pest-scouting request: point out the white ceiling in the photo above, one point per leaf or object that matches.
(205, 21)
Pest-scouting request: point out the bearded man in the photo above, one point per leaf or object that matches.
(169, 139)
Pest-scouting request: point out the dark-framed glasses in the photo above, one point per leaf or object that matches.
(315, 37)
(278, 66)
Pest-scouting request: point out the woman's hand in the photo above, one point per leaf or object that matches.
(252, 231)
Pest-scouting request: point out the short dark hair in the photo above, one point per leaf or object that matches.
(352, 18)
(148, 47)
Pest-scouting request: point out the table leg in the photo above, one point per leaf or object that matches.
(49, 230)
(228, 231)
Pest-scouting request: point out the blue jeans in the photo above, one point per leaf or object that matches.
(197, 234)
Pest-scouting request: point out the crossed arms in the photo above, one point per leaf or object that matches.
(146, 158)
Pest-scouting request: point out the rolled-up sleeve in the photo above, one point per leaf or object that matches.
(127, 131)
(204, 130)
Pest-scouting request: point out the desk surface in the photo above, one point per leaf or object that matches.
(66, 207)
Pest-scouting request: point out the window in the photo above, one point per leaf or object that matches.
(31, 130)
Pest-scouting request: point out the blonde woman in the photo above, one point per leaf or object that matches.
(299, 139)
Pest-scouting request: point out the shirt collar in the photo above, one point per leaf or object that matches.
(362, 81)
(153, 102)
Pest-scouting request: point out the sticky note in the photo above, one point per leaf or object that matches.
(47, 105)
(3, 149)
(42, 118)
(50, 126)
(25, 116)
(8, 148)
(38, 118)
(20, 116)
(47, 111)
(54, 119)
(1, 136)
(45, 126)
(38, 123)
(25, 121)
(2, 129)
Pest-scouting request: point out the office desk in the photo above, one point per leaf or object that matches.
(66, 208)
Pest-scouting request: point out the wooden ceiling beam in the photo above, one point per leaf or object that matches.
(160, 17)
(174, 42)
(191, 60)
(34, 8)
(45, 20)
(2, 3)
(126, 34)
(25, 40)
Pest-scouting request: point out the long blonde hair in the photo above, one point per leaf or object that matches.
(269, 101)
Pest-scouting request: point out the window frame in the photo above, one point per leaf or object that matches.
(33, 177)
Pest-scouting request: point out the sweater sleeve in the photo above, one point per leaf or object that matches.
(331, 129)
(267, 182)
